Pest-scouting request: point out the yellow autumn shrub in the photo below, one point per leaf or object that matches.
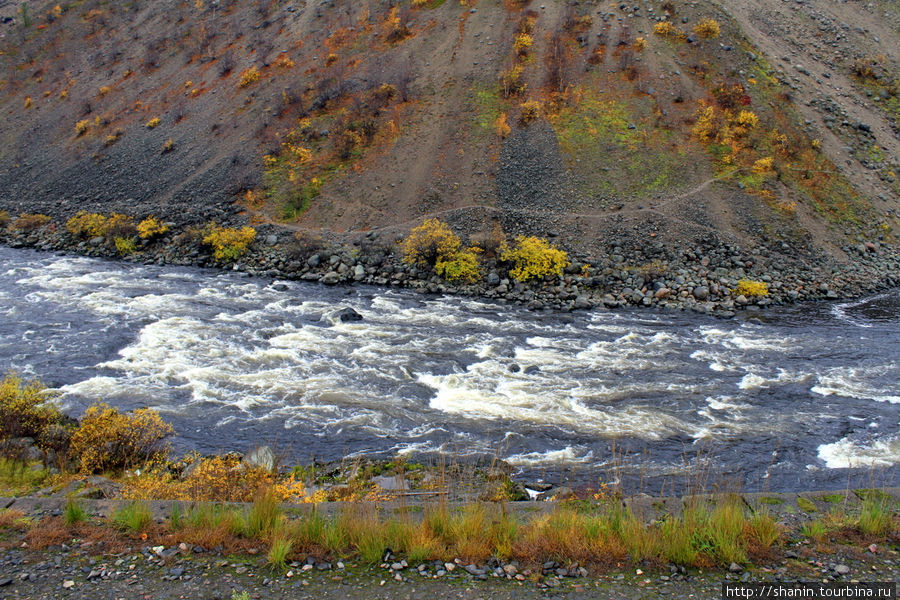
(522, 43)
(707, 125)
(151, 227)
(745, 119)
(26, 409)
(213, 479)
(708, 29)
(666, 29)
(125, 245)
(462, 266)
(108, 440)
(530, 111)
(87, 225)
(534, 257)
(249, 77)
(228, 243)
(430, 242)
(751, 289)
(764, 166)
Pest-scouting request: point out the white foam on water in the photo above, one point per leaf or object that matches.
(725, 403)
(566, 456)
(839, 311)
(853, 382)
(714, 360)
(477, 395)
(846, 453)
(746, 338)
(754, 380)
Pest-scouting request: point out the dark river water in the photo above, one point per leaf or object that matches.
(786, 399)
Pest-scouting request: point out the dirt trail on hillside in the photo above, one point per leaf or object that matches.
(809, 43)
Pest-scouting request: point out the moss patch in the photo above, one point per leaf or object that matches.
(614, 147)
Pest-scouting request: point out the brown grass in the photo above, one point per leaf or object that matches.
(12, 519)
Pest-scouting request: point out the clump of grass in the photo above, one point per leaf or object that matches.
(240, 596)
(677, 543)
(764, 528)
(134, 517)
(74, 513)
(265, 514)
(176, 517)
(279, 550)
(875, 517)
(726, 527)
(814, 530)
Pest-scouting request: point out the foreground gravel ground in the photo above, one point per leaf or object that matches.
(173, 573)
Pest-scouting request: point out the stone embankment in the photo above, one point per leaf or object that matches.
(698, 279)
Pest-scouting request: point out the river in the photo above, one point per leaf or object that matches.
(792, 398)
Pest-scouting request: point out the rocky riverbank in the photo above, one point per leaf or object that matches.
(702, 279)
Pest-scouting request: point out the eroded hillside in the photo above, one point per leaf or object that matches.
(768, 123)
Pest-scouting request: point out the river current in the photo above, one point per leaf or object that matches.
(791, 398)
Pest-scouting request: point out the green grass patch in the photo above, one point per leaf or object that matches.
(873, 494)
(771, 501)
(74, 512)
(487, 105)
(833, 498)
(279, 550)
(876, 517)
(806, 505)
(814, 530)
(264, 516)
(133, 517)
(20, 479)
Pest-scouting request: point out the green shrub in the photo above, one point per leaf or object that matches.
(107, 440)
(533, 258)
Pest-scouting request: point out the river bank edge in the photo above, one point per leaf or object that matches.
(702, 280)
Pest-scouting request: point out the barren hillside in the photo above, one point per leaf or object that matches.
(771, 124)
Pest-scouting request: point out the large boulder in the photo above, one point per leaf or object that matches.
(262, 457)
(344, 315)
